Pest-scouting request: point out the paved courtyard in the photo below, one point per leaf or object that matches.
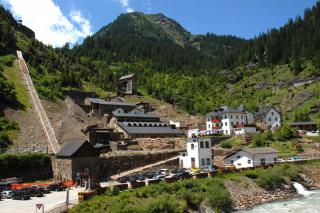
(49, 200)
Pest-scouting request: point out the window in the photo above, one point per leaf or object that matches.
(277, 125)
(249, 161)
(276, 119)
(236, 116)
(225, 116)
(239, 164)
(209, 126)
(201, 145)
(226, 131)
(207, 144)
(271, 113)
(203, 162)
(275, 160)
(226, 124)
(231, 123)
(192, 146)
(238, 156)
(208, 161)
(231, 161)
(231, 116)
(241, 116)
(209, 119)
(269, 119)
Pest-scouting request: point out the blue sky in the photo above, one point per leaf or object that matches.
(243, 18)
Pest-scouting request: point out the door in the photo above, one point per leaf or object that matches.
(193, 163)
(181, 164)
(263, 162)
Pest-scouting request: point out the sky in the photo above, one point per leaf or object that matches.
(56, 22)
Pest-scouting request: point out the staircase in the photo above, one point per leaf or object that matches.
(35, 100)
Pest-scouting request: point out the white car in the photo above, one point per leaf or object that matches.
(6, 194)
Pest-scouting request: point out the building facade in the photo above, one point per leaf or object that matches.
(268, 118)
(226, 119)
(127, 84)
(198, 155)
(252, 157)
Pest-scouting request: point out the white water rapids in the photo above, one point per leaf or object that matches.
(301, 190)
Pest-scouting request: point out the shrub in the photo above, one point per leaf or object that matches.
(285, 133)
(226, 145)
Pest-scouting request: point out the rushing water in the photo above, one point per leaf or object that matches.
(310, 203)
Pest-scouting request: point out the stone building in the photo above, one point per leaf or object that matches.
(137, 124)
(76, 157)
(100, 107)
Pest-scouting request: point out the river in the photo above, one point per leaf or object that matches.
(309, 203)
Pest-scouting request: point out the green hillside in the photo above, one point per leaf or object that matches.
(195, 72)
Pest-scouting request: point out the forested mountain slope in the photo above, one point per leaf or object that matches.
(195, 72)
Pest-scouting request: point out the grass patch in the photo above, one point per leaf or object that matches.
(286, 149)
(13, 75)
(234, 142)
(174, 197)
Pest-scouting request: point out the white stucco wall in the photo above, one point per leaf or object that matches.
(273, 119)
(240, 159)
(197, 153)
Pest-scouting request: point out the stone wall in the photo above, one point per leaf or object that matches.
(64, 168)
(161, 143)
(112, 165)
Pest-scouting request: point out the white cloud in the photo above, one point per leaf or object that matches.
(125, 5)
(48, 22)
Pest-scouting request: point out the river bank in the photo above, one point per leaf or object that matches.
(246, 194)
(306, 204)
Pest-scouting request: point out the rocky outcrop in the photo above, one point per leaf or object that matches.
(246, 194)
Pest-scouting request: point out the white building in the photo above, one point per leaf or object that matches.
(252, 157)
(198, 155)
(226, 119)
(269, 117)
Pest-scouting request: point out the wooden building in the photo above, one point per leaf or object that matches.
(127, 84)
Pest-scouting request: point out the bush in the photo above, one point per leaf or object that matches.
(273, 178)
(285, 133)
(226, 145)
(29, 166)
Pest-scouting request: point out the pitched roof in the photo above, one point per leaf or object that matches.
(138, 115)
(126, 76)
(104, 102)
(255, 151)
(226, 109)
(71, 148)
(263, 111)
(260, 150)
(148, 130)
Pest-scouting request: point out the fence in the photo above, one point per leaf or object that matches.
(30, 149)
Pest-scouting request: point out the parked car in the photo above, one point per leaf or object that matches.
(20, 195)
(58, 186)
(35, 191)
(6, 194)
(164, 172)
(45, 189)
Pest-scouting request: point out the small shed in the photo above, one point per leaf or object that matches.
(76, 157)
(304, 125)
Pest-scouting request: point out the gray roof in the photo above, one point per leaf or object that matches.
(148, 130)
(70, 148)
(302, 123)
(226, 109)
(104, 102)
(260, 150)
(126, 76)
(142, 115)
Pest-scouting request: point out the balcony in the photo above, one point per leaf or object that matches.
(215, 121)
